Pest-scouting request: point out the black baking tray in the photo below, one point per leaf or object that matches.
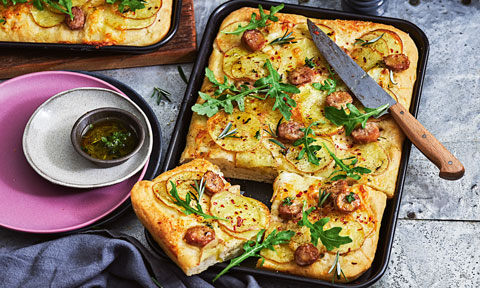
(263, 191)
(174, 24)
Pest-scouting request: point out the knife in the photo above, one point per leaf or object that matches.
(371, 95)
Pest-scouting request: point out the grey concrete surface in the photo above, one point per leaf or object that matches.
(437, 237)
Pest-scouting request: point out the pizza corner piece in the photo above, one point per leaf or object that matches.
(196, 216)
(270, 102)
(336, 227)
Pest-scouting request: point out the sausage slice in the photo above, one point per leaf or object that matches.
(366, 135)
(213, 183)
(347, 202)
(253, 39)
(306, 254)
(339, 99)
(397, 62)
(290, 212)
(290, 131)
(199, 236)
(301, 75)
(78, 20)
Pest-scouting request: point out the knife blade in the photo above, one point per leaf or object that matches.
(367, 91)
(371, 95)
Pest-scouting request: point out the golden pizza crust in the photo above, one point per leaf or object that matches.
(247, 164)
(19, 26)
(168, 224)
(353, 263)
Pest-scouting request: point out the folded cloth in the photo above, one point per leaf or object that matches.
(100, 258)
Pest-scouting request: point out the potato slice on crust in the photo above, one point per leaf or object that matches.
(311, 106)
(366, 57)
(118, 22)
(151, 9)
(371, 156)
(45, 18)
(303, 164)
(243, 126)
(381, 76)
(350, 228)
(242, 213)
(394, 42)
(226, 42)
(301, 31)
(231, 57)
(252, 66)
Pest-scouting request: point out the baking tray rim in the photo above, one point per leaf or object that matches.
(174, 25)
(389, 220)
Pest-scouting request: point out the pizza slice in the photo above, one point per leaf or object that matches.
(336, 227)
(196, 216)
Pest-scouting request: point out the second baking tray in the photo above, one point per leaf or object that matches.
(263, 191)
(175, 22)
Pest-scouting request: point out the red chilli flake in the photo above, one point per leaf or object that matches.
(233, 201)
(214, 203)
(299, 194)
(239, 221)
(223, 206)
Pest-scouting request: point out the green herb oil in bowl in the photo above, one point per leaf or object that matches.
(108, 139)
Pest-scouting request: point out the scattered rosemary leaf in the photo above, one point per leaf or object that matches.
(160, 93)
(337, 269)
(227, 133)
(278, 143)
(287, 38)
(182, 74)
(322, 197)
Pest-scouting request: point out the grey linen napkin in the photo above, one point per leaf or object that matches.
(100, 258)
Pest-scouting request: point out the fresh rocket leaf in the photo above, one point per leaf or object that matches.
(287, 201)
(278, 91)
(340, 117)
(252, 248)
(63, 6)
(308, 149)
(329, 85)
(14, 2)
(309, 62)
(128, 5)
(350, 169)
(221, 87)
(260, 23)
(185, 204)
(330, 238)
(350, 197)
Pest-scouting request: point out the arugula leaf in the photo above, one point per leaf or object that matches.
(64, 6)
(128, 5)
(278, 91)
(329, 85)
(350, 169)
(262, 22)
(185, 204)
(252, 248)
(14, 2)
(221, 87)
(340, 117)
(287, 201)
(330, 238)
(307, 148)
(350, 197)
(309, 62)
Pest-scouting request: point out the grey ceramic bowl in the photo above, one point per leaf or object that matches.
(109, 113)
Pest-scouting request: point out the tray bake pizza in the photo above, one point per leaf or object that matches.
(272, 110)
(93, 22)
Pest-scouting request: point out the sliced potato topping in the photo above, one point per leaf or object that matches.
(303, 164)
(366, 57)
(394, 43)
(259, 157)
(247, 125)
(282, 254)
(311, 105)
(45, 18)
(252, 66)
(371, 156)
(301, 31)
(231, 57)
(380, 45)
(242, 213)
(151, 8)
(350, 228)
(381, 76)
(226, 42)
(121, 23)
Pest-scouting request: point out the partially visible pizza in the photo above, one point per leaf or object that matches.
(93, 22)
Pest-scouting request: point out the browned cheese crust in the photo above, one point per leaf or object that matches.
(260, 159)
(104, 24)
(168, 224)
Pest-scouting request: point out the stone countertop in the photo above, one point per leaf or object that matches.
(437, 235)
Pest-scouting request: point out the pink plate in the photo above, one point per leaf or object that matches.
(28, 202)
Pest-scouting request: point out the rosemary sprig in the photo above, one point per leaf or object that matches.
(160, 93)
(275, 141)
(271, 132)
(365, 43)
(337, 269)
(227, 132)
(322, 197)
(287, 38)
(390, 72)
(185, 204)
(349, 169)
(182, 74)
(200, 188)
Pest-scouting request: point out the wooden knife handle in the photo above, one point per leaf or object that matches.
(450, 167)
